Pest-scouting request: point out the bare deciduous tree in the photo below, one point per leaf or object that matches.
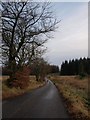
(24, 23)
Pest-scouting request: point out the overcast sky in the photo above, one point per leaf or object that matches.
(71, 38)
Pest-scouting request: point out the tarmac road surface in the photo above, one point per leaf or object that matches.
(44, 102)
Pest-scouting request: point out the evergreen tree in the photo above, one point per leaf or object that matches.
(76, 67)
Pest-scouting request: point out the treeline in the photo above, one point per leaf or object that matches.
(53, 69)
(36, 69)
(76, 67)
(39, 68)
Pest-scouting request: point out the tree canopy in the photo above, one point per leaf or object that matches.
(25, 28)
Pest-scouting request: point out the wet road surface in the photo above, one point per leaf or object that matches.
(44, 102)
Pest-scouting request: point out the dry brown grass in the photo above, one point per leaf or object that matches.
(12, 92)
(75, 93)
(3, 78)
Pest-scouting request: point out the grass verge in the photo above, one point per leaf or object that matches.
(75, 94)
(12, 92)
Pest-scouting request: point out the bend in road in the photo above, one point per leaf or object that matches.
(44, 102)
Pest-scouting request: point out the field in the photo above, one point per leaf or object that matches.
(12, 92)
(3, 78)
(74, 91)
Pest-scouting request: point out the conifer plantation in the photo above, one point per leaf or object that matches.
(76, 67)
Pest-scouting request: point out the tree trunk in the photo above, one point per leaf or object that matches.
(12, 66)
(37, 78)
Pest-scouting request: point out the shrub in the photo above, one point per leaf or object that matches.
(82, 75)
(20, 78)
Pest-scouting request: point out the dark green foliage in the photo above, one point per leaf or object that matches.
(76, 67)
(82, 75)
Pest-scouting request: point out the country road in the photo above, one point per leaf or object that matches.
(44, 102)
